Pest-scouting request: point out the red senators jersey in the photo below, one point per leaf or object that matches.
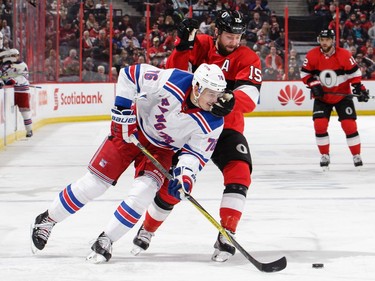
(242, 70)
(335, 72)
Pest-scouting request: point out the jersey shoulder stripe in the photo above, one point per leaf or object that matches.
(175, 91)
(132, 73)
(206, 121)
(178, 83)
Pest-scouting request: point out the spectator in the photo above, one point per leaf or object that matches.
(129, 39)
(162, 8)
(350, 22)
(371, 33)
(265, 30)
(205, 25)
(114, 75)
(87, 44)
(140, 29)
(345, 14)
(102, 5)
(359, 34)
(321, 9)
(101, 76)
(91, 20)
(349, 43)
(293, 73)
(258, 7)
(255, 24)
(270, 74)
(88, 73)
(365, 23)
(125, 23)
(71, 64)
(200, 9)
(50, 66)
(168, 24)
(273, 59)
(94, 31)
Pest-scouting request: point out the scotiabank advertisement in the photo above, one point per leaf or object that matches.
(69, 100)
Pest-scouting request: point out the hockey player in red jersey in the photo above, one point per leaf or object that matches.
(242, 70)
(329, 71)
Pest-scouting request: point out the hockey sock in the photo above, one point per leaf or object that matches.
(352, 137)
(232, 205)
(157, 213)
(27, 121)
(75, 196)
(321, 135)
(131, 209)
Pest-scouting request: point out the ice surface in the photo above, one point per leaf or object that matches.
(293, 209)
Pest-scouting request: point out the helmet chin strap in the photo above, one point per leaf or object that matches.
(196, 97)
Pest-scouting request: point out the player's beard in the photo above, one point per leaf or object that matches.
(327, 50)
(222, 50)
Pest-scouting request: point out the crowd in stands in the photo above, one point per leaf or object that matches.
(356, 28)
(264, 34)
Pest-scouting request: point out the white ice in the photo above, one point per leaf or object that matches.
(293, 209)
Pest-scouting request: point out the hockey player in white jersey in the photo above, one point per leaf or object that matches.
(15, 72)
(167, 110)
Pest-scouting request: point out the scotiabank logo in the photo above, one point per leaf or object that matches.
(291, 94)
(56, 99)
(75, 98)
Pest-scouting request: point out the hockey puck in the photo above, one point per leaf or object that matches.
(318, 265)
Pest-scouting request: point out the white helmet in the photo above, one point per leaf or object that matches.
(9, 55)
(209, 76)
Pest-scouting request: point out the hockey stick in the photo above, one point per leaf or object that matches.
(349, 95)
(274, 266)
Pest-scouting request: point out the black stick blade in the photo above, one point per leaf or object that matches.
(274, 266)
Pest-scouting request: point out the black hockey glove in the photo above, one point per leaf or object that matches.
(361, 93)
(224, 105)
(186, 32)
(316, 88)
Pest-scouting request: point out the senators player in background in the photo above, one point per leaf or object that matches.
(329, 71)
(242, 70)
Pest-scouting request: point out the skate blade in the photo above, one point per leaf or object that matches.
(136, 250)
(34, 249)
(95, 258)
(325, 168)
(219, 256)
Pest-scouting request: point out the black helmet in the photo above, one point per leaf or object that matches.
(230, 21)
(327, 33)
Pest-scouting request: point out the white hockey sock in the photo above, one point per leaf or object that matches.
(131, 209)
(27, 121)
(75, 196)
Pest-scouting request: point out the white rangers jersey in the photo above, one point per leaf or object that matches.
(163, 115)
(19, 73)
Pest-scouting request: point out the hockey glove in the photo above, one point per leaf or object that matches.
(316, 88)
(186, 32)
(125, 120)
(361, 93)
(224, 104)
(10, 81)
(182, 182)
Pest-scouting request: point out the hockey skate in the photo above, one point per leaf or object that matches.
(223, 249)
(29, 134)
(141, 241)
(324, 162)
(101, 250)
(357, 160)
(40, 231)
